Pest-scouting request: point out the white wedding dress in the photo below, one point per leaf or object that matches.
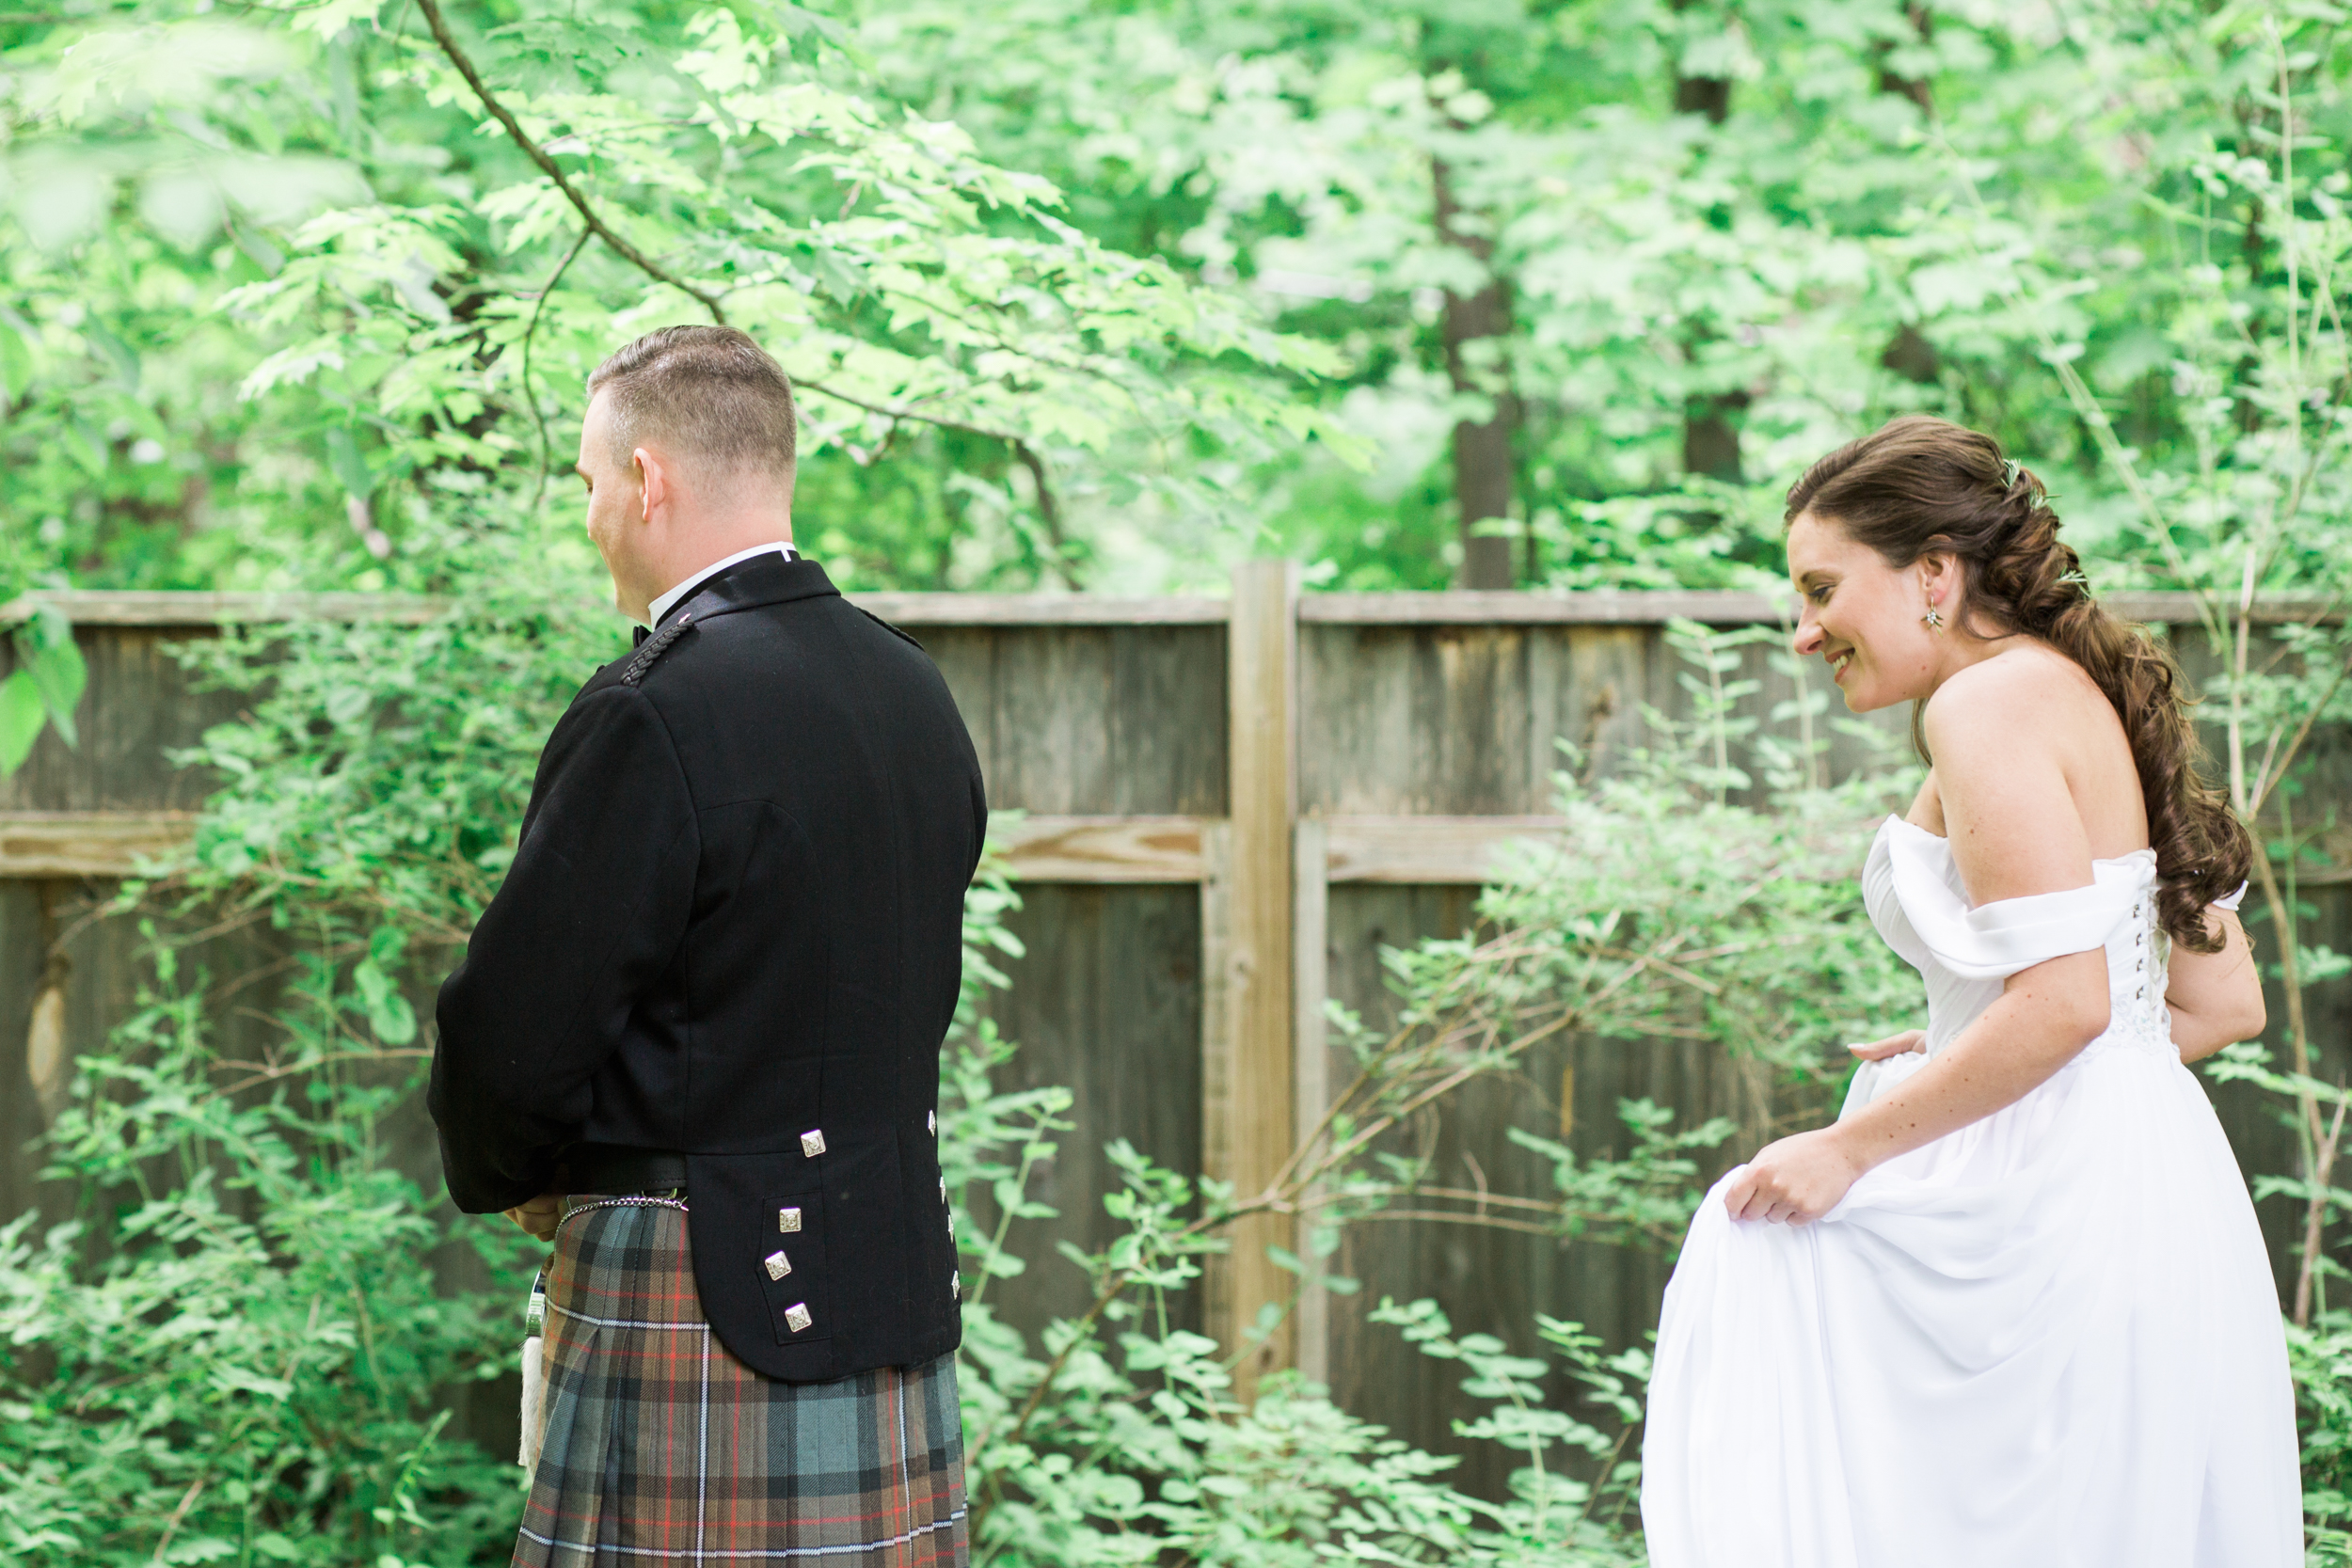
(2050, 1338)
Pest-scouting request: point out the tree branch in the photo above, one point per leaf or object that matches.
(1048, 513)
(546, 452)
(538, 155)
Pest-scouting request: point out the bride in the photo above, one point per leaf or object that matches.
(2011, 1309)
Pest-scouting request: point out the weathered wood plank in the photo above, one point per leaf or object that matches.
(1040, 610)
(1417, 721)
(138, 704)
(1096, 848)
(1427, 851)
(1310, 1069)
(1464, 607)
(1168, 725)
(1247, 1122)
(1655, 606)
(1105, 1002)
(1094, 720)
(87, 844)
(119, 607)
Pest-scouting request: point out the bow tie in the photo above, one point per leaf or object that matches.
(638, 636)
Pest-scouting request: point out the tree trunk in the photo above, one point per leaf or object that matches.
(1710, 443)
(1484, 470)
(1904, 87)
(1910, 355)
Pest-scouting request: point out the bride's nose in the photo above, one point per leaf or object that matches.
(1809, 636)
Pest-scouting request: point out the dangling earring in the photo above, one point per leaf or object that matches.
(1934, 617)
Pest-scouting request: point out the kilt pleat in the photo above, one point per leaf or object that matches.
(662, 1447)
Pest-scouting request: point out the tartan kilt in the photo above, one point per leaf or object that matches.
(662, 1447)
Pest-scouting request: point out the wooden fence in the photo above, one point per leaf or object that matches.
(1229, 807)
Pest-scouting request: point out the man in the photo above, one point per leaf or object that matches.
(695, 1036)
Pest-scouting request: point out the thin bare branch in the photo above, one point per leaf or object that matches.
(546, 452)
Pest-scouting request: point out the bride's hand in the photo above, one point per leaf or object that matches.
(1893, 1045)
(1797, 1180)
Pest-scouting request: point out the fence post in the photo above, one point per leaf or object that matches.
(1247, 1124)
(1311, 1077)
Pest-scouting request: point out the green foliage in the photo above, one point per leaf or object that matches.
(272, 282)
(44, 688)
(2319, 1336)
(237, 1353)
(381, 768)
(297, 313)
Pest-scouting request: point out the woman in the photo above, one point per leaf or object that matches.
(2011, 1308)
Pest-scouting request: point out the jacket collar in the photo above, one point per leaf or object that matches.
(764, 580)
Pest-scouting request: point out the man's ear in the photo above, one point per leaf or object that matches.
(656, 485)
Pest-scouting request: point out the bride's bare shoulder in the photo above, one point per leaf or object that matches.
(2005, 734)
(2021, 694)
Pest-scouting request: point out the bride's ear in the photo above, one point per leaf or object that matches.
(1941, 579)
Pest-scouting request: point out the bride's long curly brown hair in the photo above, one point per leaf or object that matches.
(1921, 485)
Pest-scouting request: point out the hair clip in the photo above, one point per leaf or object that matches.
(2009, 471)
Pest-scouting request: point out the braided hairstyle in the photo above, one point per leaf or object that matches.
(1921, 485)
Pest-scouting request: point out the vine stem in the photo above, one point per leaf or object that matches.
(1049, 512)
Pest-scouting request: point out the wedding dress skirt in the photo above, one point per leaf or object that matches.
(2050, 1338)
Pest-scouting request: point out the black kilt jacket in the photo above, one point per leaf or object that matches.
(732, 929)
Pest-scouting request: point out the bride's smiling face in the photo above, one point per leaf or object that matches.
(1864, 618)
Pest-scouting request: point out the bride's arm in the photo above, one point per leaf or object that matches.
(2011, 817)
(2216, 999)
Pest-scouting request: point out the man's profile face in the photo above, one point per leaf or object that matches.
(615, 498)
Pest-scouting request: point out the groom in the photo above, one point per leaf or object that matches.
(709, 998)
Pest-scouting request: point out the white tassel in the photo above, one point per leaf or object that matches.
(534, 1404)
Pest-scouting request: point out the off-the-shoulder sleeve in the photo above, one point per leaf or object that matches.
(1995, 940)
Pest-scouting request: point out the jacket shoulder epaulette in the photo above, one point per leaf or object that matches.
(653, 648)
(901, 635)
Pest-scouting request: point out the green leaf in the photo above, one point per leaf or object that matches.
(16, 366)
(59, 670)
(393, 1020)
(342, 455)
(22, 713)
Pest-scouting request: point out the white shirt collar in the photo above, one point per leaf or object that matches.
(660, 606)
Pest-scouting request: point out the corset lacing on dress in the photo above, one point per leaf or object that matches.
(2136, 967)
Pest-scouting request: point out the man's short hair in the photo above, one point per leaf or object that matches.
(709, 393)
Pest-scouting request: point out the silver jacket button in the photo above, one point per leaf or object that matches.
(813, 1142)
(933, 1120)
(778, 1265)
(955, 1285)
(788, 1220)
(796, 1317)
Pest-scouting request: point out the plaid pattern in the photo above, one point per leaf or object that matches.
(662, 1447)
